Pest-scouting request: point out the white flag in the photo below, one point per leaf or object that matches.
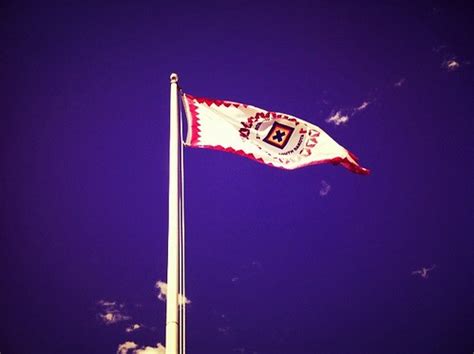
(272, 138)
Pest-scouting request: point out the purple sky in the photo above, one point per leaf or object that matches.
(312, 261)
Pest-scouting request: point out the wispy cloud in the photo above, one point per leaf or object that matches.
(133, 327)
(159, 349)
(423, 272)
(363, 106)
(163, 289)
(243, 350)
(111, 312)
(257, 266)
(450, 60)
(342, 116)
(106, 303)
(451, 65)
(338, 118)
(112, 317)
(439, 48)
(247, 271)
(125, 347)
(400, 82)
(224, 330)
(325, 188)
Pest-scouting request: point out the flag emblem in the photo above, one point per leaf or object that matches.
(279, 135)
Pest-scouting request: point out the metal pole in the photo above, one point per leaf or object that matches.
(172, 327)
(182, 248)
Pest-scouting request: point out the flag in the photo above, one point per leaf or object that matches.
(272, 138)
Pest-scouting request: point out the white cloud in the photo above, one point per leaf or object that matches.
(112, 317)
(363, 106)
(159, 349)
(451, 65)
(338, 118)
(111, 312)
(325, 189)
(163, 288)
(133, 327)
(343, 115)
(423, 272)
(125, 347)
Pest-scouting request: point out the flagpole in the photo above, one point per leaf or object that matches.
(172, 326)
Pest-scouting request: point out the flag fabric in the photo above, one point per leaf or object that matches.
(272, 138)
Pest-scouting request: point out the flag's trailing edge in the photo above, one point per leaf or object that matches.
(271, 138)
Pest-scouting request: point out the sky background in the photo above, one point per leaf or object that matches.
(317, 260)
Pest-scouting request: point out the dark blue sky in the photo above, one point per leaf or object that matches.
(274, 266)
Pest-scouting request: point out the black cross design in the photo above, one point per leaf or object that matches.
(279, 135)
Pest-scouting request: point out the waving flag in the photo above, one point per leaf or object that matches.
(275, 139)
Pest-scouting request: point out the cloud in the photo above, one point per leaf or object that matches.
(423, 272)
(247, 271)
(224, 330)
(159, 349)
(400, 82)
(325, 189)
(342, 116)
(363, 106)
(451, 65)
(243, 350)
(338, 118)
(257, 265)
(112, 317)
(125, 347)
(133, 327)
(111, 312)
(451, 62)
(128, 345)
(163, 288)
(439, 48)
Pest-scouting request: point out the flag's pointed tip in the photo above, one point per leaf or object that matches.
(364, 171)
(359, 169)
(174, 78)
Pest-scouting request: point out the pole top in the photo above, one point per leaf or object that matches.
(173, 78)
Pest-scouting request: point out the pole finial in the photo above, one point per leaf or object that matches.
(173, 78)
